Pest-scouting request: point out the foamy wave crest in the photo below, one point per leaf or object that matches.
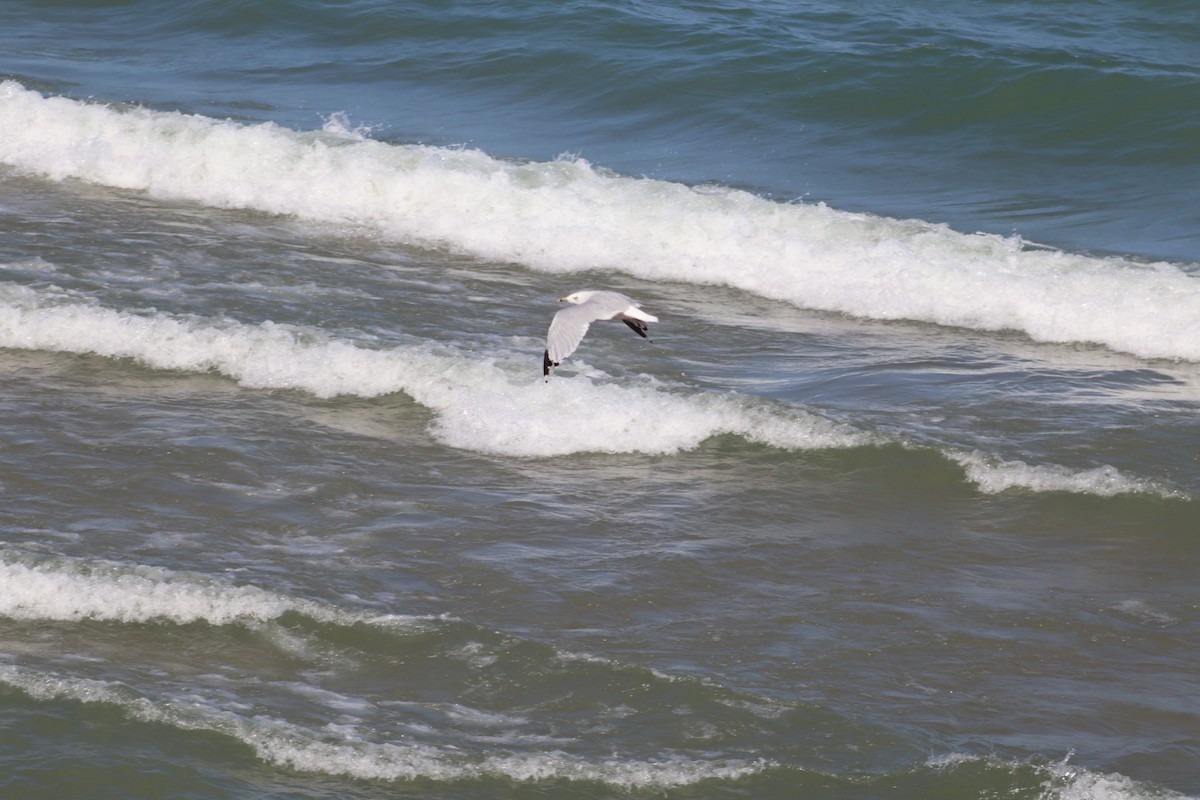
(479, 404)
(993, 476)
(1062, 781)
(485, 404)
(66, 590)
(332, 751)
(566, 216)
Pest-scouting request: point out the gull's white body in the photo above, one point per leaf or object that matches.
(569, 325)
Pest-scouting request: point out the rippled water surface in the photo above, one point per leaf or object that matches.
(899, 500)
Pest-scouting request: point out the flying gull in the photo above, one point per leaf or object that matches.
(569, 325)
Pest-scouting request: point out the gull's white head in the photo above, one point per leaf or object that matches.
(577, 297)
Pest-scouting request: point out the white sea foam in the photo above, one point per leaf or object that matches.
(66, 590)
(1070, 783)
(1063, 781)
(993, 476)
(479, 404)
(565, 216)
(334, 751)
(485, 404)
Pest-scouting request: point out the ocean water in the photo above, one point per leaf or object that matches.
(900, 500)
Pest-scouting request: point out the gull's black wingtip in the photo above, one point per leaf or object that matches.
(547, 364)
(637, 326)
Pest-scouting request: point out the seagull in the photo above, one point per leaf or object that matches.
(569, 325)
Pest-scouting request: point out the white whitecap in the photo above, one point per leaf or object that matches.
(994, 475)
(489, 404)
(1062, 780)
(331, 751)
(479, 404)
(566, 216)
(68, 590)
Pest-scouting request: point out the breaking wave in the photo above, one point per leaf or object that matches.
(566, 216)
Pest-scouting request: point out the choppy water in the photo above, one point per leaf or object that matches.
(899, 502)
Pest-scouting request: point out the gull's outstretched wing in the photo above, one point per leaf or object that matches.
(568, 328)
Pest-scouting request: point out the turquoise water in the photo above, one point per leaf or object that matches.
(899, 500)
